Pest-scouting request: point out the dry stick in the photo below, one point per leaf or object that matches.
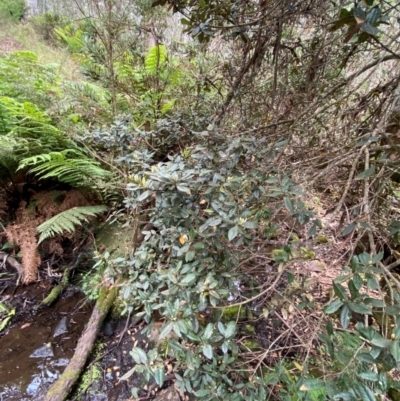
(349, 181)
(5, 257)
(256, 296)
(60, 389)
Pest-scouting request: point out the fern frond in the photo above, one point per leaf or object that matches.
(67, 220)
(76, 171)
(156, 57)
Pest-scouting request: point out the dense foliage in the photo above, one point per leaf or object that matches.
(212, 149)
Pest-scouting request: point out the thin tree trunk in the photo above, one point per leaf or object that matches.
(61, 388)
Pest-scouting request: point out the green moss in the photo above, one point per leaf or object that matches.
(231, 313)
(251, 344)
(306, 253)
(117, 309)
(249, 329)
(322, 239)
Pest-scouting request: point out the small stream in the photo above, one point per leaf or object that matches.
(38, 345)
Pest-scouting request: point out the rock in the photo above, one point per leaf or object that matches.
(61, 328)
(168, 394)
(43, 352)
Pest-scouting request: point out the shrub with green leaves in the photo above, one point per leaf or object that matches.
(188, 263)
(12, 9)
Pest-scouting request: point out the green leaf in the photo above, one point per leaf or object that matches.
(395, 350)
(374, 15)
(159, 376)
(393, 310)
(166, 329)
(289, 205)
(370, 171)
(189, 279)
(380, 342)
(138, 355)
(230, 330)
(312, 384)
(155, 59)
(370, 376)
(357, 280)
(208, 331)
(144, 196)
(345, 316)
(128, 374)
(208, 351)
(333, 306)
(250, 224)
(364, 392)
(202, 392)
(348, 229)
(371, 30)
(184, 189)
(339, 291)
(358, 308)
(66, 221)
(233, 232)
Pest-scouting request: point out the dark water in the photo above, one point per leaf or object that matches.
(32, 355)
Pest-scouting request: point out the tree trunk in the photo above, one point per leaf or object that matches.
(61, 388)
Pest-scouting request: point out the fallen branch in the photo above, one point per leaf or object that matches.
(57, 291)
(61, 388)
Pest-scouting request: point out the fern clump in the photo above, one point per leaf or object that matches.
(67, 220)
(77, 171)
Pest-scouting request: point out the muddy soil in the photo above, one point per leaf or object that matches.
(37, 345)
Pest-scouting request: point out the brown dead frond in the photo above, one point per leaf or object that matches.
(23, 233)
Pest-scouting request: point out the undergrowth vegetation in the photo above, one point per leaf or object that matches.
(246, 147)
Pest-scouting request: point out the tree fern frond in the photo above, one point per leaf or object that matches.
(76, 171)
(156, 57)
(67, 220)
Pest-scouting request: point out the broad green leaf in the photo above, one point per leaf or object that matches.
(364, 392)
(144, 196)
(333, 306)
(202, 392)
(371, 30)
(312, 384)
(189, 279)
(370, 376)
(233, 232)
(166, 329)
(184, 189)
(159, 376)
(393, 310)
(250, 224)
(289, 205)
(345, 316)
(348, 229)
(208, 351)
(358, 308)
(381, 342)
(374, 15)
(230, 330)
(208, 331)
(395, 350)
(339, 291)
(139, 355)
(128, 374)
(370, 171)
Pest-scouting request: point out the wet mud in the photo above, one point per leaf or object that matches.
(37, 345)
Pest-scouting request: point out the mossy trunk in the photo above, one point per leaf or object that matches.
(61, 388)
